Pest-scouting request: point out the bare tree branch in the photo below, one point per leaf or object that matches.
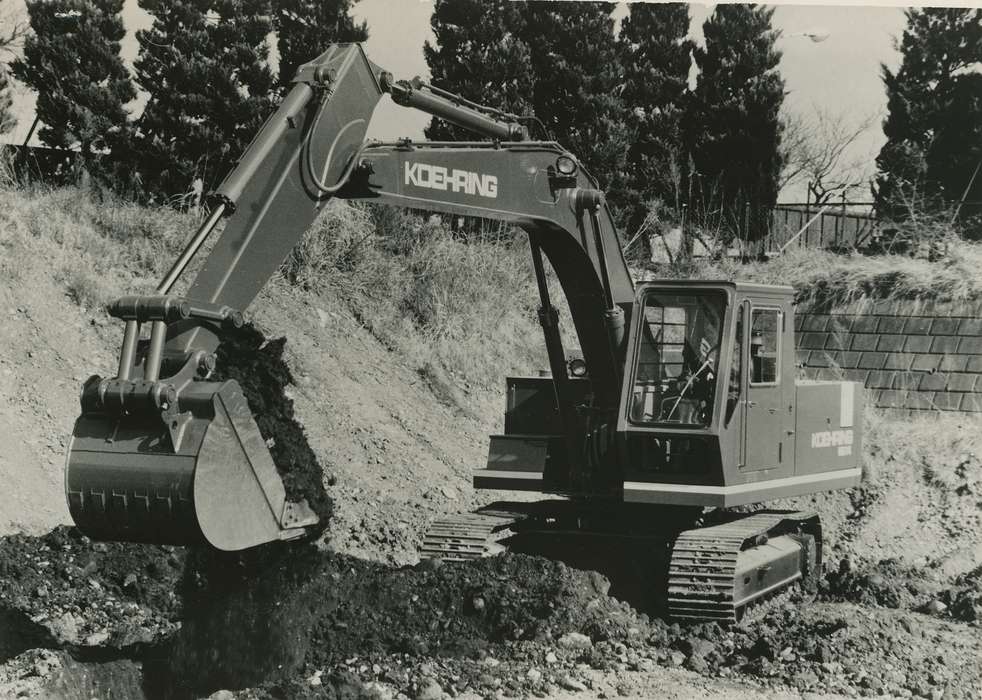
(815, 150)
(13, 28)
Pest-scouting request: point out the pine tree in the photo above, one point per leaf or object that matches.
(7, 119)
(479, 54)
(734, 132)
(557, 60)
(578, 85)
(305, 28)
(934, 121)
(71, 59)
(655, 55)
(204, 65)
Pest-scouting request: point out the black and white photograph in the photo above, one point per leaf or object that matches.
(485, 349)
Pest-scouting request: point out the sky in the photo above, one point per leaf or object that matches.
(840, 74)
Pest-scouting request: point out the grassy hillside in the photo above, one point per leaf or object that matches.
(467, 307)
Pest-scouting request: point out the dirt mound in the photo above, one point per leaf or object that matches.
(964, 598)
(887, 583)
(307, 622)
(260, 368)
(309, 609)
(64, 590)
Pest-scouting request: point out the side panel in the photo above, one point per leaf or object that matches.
(531, 407)
(829, 427)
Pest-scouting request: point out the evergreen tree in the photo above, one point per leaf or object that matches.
(577, 91)
(934, 121)
(7, 119)
(305, 28)
(734, 132)
(555, 59)
(71, 59)
(479, 54)
(204, 65)
(655, 55)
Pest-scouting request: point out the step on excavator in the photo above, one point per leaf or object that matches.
(683, 405)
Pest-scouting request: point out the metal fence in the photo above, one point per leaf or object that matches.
(839, 225)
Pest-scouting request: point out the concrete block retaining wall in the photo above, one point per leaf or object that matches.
(913, 357)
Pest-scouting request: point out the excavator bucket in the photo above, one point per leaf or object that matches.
(191, 473)
(175, 459)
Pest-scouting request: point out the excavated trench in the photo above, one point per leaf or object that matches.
(294, 620)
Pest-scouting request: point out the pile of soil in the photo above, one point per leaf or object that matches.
(307, 609)
(888, 583)
(316, 623)
(64, 590)
(259, 366)
(964, 598)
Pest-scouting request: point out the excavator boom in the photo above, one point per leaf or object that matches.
(163, 453)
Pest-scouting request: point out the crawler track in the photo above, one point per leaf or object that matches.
(714, 573)
(717, 572)
(468, 536)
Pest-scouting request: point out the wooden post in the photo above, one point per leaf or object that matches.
(30, 132)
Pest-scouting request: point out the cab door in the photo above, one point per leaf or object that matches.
(763, 415)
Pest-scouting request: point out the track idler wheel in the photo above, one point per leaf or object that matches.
(193, 471)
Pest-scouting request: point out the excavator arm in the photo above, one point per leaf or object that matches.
(163, 454)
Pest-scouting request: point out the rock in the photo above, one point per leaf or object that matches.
(695, 646)
(221, 695)
(429, 689)
(431, 564)
(97, 638)
(572, 684)
(534, 675)
(477, 603)
(575, 640)
(697, 664)
(823, 654)
(65, 629)
(676, 658)
(551, 658)
(380, 691)
(935, 607)
(315, 679)
(47, 663)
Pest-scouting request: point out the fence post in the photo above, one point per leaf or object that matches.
(745, 234)
(808, 199)
(842, 218)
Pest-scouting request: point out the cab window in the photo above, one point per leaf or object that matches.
(677, 358)
(765, 338)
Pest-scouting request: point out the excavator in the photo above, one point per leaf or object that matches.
(680, 417)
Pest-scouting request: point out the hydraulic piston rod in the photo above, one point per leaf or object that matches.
(419, 95)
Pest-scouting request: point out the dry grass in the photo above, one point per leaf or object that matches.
(97, 249)
(436, 298)
(820, 276)
(464, 303)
